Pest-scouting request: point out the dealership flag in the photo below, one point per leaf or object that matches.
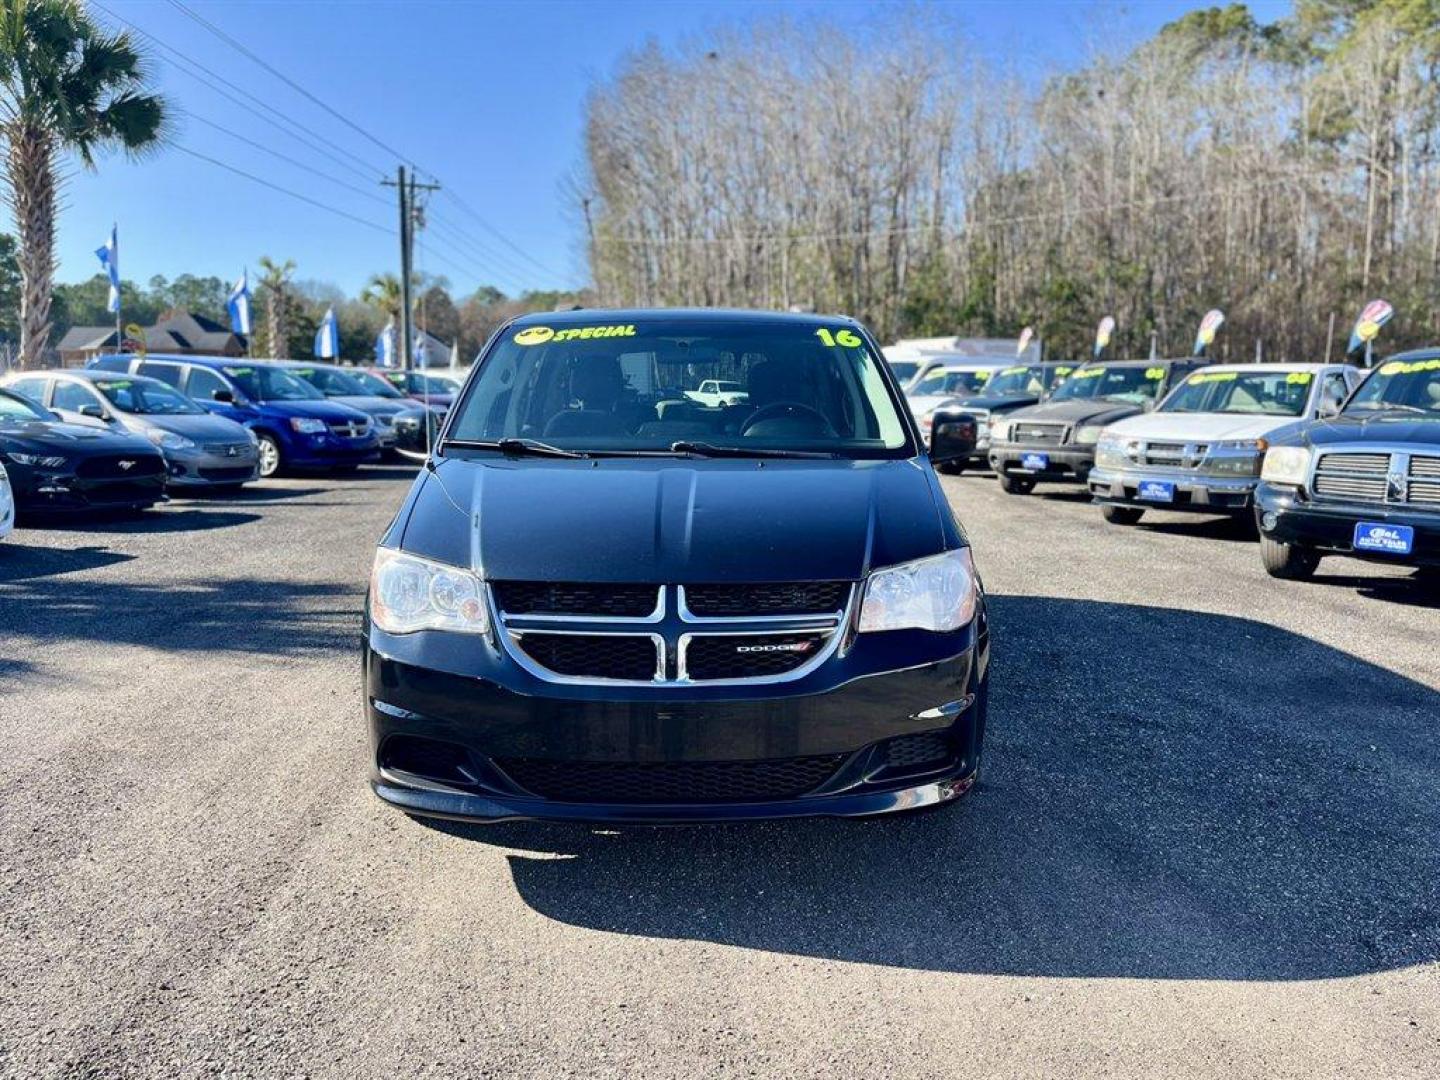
(109, 257)
(239, 305)
(1209, 325)
(1376, 314)
(1103, 333)
(327, 338)
(385, 346)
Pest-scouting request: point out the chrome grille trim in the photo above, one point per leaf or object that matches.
(1390, 475)
(1044, 434)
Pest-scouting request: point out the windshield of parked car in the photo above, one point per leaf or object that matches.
(14, 408)
(374, 385)
(808, 386)
(271, 384)
(329, 382)
(1272, 393)
(149, 396)
(1014, 381)
(1401, 385)
(951, 382)
(1135, 385)
(904, 370)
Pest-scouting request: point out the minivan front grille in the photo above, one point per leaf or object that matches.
(750, 656)
(671, 781)
(575, 598)
(786, 598)
(623, 657)
(350, 429)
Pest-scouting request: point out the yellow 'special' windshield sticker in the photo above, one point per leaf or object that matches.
(539, 335)
(1414, 367)
(1299, 378)
(1155, 373)
(1199, 378)
(1088, 373)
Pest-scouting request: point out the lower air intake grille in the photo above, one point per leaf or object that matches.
(671, 782)
(572, 598)
(909, 751)
(751, 656)
(789, 598)
(593, 656)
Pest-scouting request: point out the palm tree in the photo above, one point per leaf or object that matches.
(66, 85)
(383, 294)
(275, 280)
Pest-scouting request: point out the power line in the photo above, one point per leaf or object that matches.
(447, 231)
(501, 236)
(283, 190)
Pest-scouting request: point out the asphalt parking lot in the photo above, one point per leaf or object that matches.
(1206, 842)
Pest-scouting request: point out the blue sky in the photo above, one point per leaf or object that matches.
(487, 96)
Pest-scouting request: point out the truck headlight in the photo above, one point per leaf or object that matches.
(1286, 465)
(409, 594)
(999, 431)
(307, 425)
(1089, 435)
(1111, 452)
(1237, 456)
(936, 594)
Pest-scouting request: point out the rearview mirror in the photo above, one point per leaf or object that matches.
(224, 396)
(93, 411)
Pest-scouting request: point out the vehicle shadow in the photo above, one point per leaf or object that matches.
(1063, 495)
(1408, 590)
(1239, 530)
(247, 494)
(1234, 802)
(19, 560)
(149, 521)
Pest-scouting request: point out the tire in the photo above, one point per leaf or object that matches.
(1288, 561)
(271, 459)
(1016, 485)
(1121, 515)
(952, 468)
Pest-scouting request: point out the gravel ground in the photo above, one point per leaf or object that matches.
(1207, 842)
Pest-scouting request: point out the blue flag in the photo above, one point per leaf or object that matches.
(239, 304)
(385, 346)
(327, 338)
(109, 257)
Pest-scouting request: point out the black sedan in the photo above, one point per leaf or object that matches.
(56, 467)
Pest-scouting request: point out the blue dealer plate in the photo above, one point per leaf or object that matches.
(1156, 491)
(1035, 462)
(1386, 539)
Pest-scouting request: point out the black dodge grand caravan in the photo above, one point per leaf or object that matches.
(612, 596)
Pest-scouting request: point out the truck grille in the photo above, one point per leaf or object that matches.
(750, 656)
(671, 781)
(1365, 477)
(625, 657)
(1174, 455)
(571, 598)
(1037, 434)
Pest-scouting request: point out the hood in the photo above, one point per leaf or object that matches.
(671, 521)
(322, 410)
(371, 405)
(1003, 403)
(441, 401)
(1199, 427)
(205, 428)
(1377, 427)
(925, 402)
(1080, 411)
(71, 439)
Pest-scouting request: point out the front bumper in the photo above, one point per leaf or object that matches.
(212, 470)
(328, 451)
(1283, 514)
(1200, 493)
(462, 745)
(38, 491)
(1067, 464)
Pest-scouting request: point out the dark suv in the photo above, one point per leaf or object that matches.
(606, 600)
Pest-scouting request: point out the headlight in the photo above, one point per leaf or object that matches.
(1112, 452)
(37, 460)
(307, 425)
(1286, 465)
(168, 440)
(409, 594)
(999, 431)
(936, 594)
(1089, 435)
(1238, 456)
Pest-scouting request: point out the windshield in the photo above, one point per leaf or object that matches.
(1408, 386)
(951, 382)
(331, 383)
(904, 370)
(151, 398)
(1132, 384)
(374, 385)
(271, 384)
(1026, 379)
(1270, 393)
(635, 387)
(13, 407)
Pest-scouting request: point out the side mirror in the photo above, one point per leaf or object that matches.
(223, 396)
(953, 436)
(95, 412)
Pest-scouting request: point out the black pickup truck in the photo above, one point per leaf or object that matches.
(1364, 483)
(953, 448)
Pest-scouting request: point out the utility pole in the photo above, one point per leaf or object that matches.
(406, 188)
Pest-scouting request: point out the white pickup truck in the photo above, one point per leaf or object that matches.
(715, 392)
(1200, 449)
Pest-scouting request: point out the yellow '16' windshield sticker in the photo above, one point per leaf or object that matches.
(1212, 376)
(539, 335)
(1400, 367)
(846, 338)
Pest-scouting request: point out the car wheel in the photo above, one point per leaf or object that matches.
(952, 468)
(1288, 561)
(1016, 485)
(1121, 515)
(270, 457)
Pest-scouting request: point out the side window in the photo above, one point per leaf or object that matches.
(203, 384)
(31, 388)
(169, 373)
(1334, 390)
(72, 397)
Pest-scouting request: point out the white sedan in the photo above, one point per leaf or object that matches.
(7, 505)
(951, 381)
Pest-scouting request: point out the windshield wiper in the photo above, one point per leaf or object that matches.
(532, 447)
(1390, 407)
(703, 449)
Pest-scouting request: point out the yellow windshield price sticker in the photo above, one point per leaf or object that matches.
(1155, 373)
(845, 338)
(1016, 371)
(114, 385)
(1212, 376)
(1299, 378)
(1061, 372)
(1400, 367)
(539, 335)
(238, 371)
(1088, 373)
(982, 376)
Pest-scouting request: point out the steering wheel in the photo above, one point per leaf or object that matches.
(785, 408)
